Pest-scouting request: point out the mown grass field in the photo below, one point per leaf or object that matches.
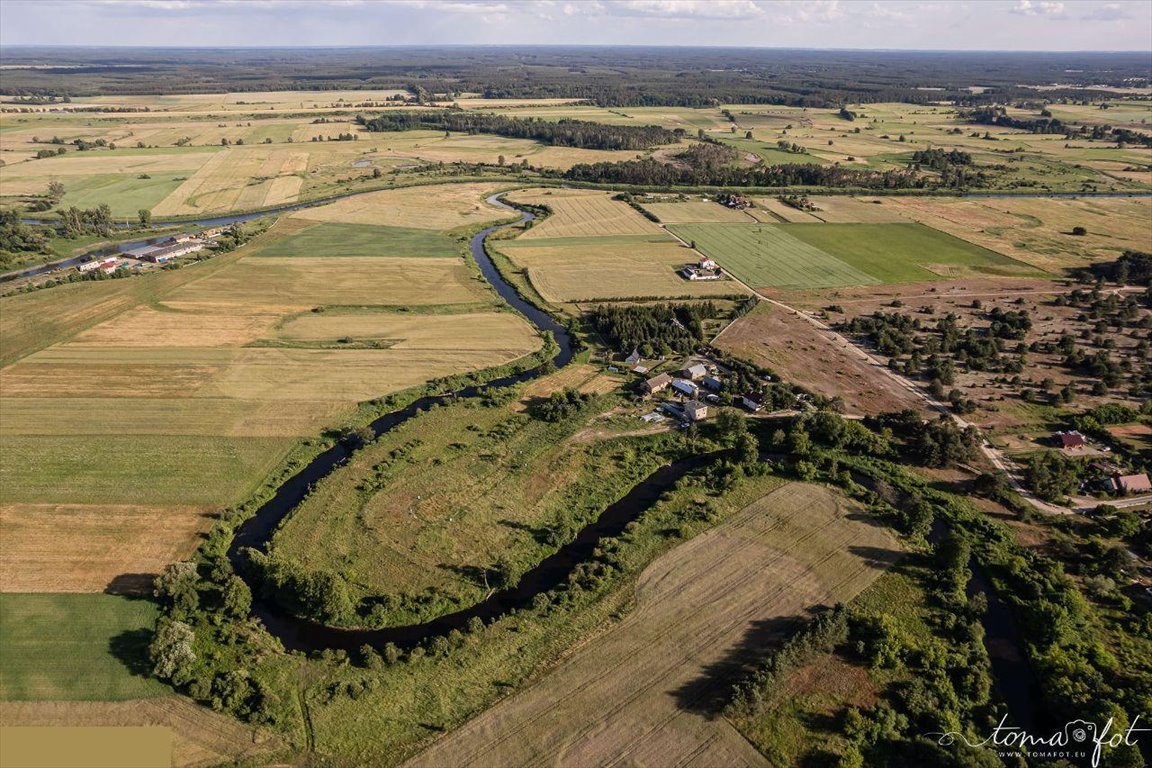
(896, 253)
(696, 212)
(786, 552)
(768, 256)
(75, 648)
(582, 213)
(610, 268)
(363, 240)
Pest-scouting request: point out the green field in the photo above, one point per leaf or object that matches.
(75, 647)
(135, 469)
(895, 253)
(362, 240)
(768, 256)
(124, 194)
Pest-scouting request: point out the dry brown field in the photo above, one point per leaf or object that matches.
(582, 213)
(1038, 231)
(646, 688)
(200, 737)
(93, 548)
(610, 268)
(801, 353)
(439, 206)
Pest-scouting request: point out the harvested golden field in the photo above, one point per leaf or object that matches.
(93, 548)
(771, 211)
(236, 178)
(698, 212)
(89, 164)
(304, 282)
(440, 206)
(802, 353)
(582, 213)
(200, 737)
(610, 268)
(838, 209)
(646, 689)
(163, 326)
(474, 331)
(1038, 231)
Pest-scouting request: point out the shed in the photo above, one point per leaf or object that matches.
(712, 383)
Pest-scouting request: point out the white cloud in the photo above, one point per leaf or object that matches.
(1039, 8)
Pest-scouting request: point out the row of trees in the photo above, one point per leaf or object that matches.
(563, 133)
(649, 172)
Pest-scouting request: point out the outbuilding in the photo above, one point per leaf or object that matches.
(752, 401)
(656, 383)
(685, 387)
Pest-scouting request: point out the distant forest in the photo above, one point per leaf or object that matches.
(562, 133)
(609, 77)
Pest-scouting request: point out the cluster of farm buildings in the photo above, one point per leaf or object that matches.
(1113, 479)
(158, 253)
(695, 388)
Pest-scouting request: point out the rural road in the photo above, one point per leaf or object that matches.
(994, 454)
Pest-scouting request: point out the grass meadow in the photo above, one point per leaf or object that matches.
(75, 647)
(362, 240)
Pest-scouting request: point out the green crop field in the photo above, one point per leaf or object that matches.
(362, 240)
(135, 469)
(768, 256)
(70, 647)
(895, 253)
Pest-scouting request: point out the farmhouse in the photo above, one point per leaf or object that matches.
(712, 383)
(633, 358)
(1071, 440)
(1131, 483)
(705, 269)
(685, 387)
(694, 410)
(752, 401)
(656, 383)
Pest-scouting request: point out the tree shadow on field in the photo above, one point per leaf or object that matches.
(471, 573)
(131, 585)
(130, 648)
(879, 558)
(539, 535)
(708, 693)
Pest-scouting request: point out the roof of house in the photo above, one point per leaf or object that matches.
(662, 380)
(697, 370)
(684, 384)
(694, 405)
(1132, 483)
(1071, 439)
(753, 397)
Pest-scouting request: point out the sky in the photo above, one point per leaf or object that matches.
(1036, 25)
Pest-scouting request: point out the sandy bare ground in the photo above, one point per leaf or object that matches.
(200, 737)
(801, 353)
(646, 692)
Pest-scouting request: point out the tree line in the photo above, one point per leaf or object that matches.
(560, 133)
